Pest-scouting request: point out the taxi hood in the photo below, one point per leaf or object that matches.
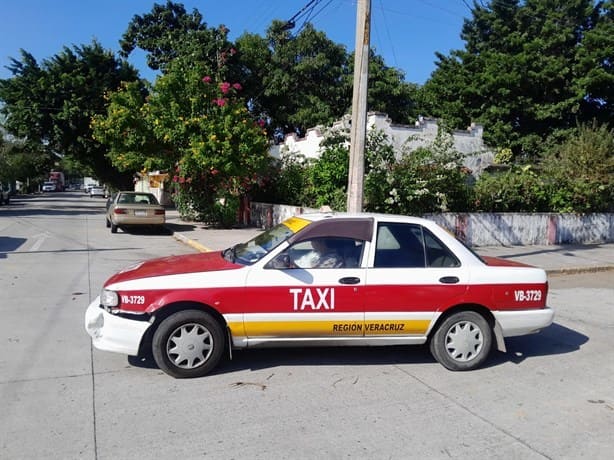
(174, 265)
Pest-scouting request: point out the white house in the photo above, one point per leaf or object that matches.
(403, 137)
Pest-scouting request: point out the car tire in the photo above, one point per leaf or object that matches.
(113, 228)
(188, 344)
(462, 342)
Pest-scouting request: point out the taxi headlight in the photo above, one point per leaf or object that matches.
(109, 298)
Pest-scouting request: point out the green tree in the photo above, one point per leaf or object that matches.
(295, 81)
(193, 126)
(51, 105)
(595, 67)
(18, 163)
(303, 81)
(525, 72)
(169, 32)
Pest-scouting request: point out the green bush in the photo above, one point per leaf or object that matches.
(576, 176)
(328, 178)
(285, 182)
(581, 171)
(428, 179)
(519, 189)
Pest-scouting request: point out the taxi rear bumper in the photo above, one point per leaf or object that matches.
(522, 322)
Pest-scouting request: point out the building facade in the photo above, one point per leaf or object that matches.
(404, 138)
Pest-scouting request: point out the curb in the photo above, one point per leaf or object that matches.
(579, 270)
(185, 240)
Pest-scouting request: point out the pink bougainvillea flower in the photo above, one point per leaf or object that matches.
(181, 180)
(260, 123)
(221, 102)
(207, 79)
(224, 87)
(175, 178)
(237, 86)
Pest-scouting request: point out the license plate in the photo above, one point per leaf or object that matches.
(140, 213)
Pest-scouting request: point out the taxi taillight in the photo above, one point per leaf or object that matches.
(159, 212)
(120, 211)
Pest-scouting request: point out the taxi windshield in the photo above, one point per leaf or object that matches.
(259, 246)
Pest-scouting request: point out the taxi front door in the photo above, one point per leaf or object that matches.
(298, 304)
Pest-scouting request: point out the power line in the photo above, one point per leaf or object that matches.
(315, 14)
(387, 28)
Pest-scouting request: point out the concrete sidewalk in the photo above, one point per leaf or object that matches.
(564, 259)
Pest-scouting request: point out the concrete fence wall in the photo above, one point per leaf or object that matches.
(508, 229)
(487, 229)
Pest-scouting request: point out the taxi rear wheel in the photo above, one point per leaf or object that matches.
(188, 344)
(462, 341)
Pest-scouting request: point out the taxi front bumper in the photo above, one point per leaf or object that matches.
(114, 333)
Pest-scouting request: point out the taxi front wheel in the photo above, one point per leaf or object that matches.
(188, 344)
(462, 341)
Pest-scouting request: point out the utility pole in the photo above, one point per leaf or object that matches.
(359, 107)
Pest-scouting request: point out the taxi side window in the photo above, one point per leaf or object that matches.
(399, 246)
(437, 254)
(327, 252)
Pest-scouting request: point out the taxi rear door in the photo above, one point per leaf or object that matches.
(410, 279)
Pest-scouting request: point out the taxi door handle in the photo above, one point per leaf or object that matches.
(349, 280)
(449, 280)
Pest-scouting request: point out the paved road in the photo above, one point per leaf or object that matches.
(549, 397)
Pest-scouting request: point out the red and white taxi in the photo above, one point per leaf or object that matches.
(321, 279)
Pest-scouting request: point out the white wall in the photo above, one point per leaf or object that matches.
(402, 137)
(488, 229)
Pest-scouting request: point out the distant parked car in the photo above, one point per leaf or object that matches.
(49, 187)
(127, 209)
(97, 191)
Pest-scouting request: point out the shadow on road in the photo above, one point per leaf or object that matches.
(72, 204)
(554, 340)
(10, 244)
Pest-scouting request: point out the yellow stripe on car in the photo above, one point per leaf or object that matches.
(329, 328)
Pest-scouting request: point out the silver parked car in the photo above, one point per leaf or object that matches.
(127, 209)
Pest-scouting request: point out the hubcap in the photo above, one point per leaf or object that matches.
(464, 341)
(189, 346)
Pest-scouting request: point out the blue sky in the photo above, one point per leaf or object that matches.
(407, 33)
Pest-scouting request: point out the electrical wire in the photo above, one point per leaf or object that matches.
(313, 14)
(394, 55)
